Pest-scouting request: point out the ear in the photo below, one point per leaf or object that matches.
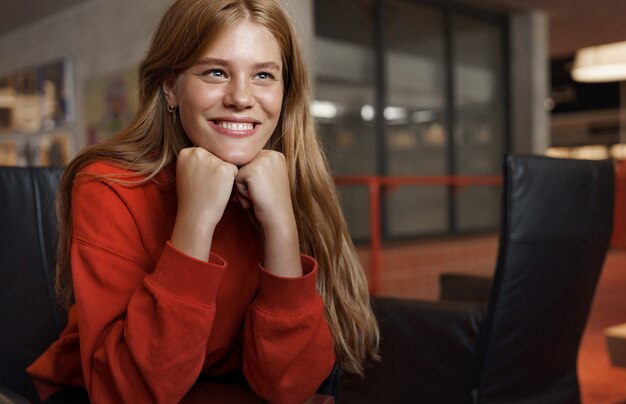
(169, 89)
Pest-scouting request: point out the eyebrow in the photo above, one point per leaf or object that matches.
(223, 62)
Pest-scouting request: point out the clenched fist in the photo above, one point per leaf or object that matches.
(204, 185)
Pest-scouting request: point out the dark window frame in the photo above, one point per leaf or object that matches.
(449, 10)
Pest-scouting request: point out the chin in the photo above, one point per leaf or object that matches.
(238, 160)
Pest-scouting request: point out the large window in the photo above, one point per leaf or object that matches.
(345, 93)
(409, 88)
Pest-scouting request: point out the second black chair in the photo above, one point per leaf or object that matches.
(555, 231)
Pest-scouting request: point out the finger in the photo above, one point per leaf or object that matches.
(245, 202)
(242, 189)
(241, 193)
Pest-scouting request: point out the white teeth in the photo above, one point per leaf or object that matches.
(236, 125)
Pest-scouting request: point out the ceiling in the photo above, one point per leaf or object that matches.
(573, 23)
(18, 13)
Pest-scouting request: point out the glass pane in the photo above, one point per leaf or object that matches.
(344, 96)
(479, 108)
(355, 205)
(415, 137)
(416, 210)
(478, 208)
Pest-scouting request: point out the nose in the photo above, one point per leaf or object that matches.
(239, 94)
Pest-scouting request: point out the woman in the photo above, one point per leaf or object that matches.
(206, 237)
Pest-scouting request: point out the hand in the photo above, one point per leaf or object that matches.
(263, 184)
(204, 184)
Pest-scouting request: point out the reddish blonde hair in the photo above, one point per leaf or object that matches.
(150, 143)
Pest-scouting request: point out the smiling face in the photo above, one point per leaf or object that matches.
(230, 101)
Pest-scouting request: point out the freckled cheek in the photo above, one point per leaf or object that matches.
(200, 100)
(271, 102)
(193, 112)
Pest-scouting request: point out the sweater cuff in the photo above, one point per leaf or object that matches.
(281, 295)
(188, 277)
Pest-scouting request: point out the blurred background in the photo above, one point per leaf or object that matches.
(426, 95)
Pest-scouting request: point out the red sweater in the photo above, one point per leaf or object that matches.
(149, 319)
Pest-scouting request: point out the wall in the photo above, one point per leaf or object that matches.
(530, 82)
(102, 37)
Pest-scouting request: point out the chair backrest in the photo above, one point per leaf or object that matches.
(556, 225)
(30, 315)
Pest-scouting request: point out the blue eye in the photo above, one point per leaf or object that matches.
(217, 73)
(265, 76)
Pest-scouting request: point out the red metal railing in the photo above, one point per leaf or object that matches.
(376, 183)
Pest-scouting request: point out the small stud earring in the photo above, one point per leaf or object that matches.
(172, 110)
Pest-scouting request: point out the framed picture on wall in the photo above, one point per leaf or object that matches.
(110, 104)
(36, 99)
(54, 88)
(27, 103)
(6, 105)
(36, 114)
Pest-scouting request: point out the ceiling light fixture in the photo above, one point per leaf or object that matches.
(598, 64)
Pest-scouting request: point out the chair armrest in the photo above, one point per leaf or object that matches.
(464, 287)
(9, 397)
(426, 353)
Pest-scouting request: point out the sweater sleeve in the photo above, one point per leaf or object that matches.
(288, 348)
(143, 332)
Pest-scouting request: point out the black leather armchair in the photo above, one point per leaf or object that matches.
(30, 315)
(521, 347)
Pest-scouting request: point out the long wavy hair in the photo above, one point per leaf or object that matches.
(150, 143)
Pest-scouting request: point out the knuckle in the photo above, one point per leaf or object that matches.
(224, 168)
(276, 155)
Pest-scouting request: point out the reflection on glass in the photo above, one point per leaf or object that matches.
(479, 117)
(415, 137)
(344, 89)
(444, 110)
